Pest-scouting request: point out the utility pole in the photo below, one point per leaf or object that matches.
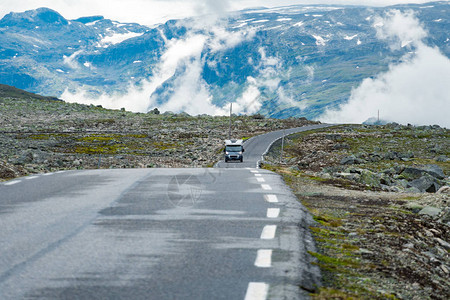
(282, 146)
(229, 129)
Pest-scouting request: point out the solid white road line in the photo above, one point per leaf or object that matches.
(273, 212)
(31, 177)
(271, 198)
(257, 291)
(266, 187)
(264, 258)
(268, 232)
(47, 174)
(12, 182)
(260, 179)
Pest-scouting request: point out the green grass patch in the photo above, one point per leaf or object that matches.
(330, 262)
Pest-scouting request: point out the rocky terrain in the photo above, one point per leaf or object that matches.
(380, 199)
(379, 194)
(40, 134)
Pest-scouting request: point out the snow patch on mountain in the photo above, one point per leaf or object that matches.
(284, 19)
(117, 38)
(92, 23)
(320, 41)
(349, 38)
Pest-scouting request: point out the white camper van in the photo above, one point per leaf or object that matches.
(234, 150)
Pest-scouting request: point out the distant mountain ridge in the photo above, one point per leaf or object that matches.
(7, 91)
(281, 62)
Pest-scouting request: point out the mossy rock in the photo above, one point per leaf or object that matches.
(370, 178)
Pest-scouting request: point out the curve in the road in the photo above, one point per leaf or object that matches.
(258, 146)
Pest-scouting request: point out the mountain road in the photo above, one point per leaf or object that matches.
(230, 232)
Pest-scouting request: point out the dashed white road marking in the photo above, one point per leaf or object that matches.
(264, 258)
(258, 175)
(31, 177)
(271, 198)
(257, 291)
(12, 182)
(260, 179)
(268, 232)
(254, 171)
(266, 187)
(273, 212)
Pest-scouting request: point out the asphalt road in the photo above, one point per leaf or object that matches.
(155, 234)
(257, 146)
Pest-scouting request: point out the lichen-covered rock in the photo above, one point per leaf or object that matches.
(351, 160)
(431, 211)
(411, 173)
(425, 183)
(369, 178)
(435, 171)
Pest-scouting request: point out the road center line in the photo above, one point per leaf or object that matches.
(260, 179)
(268, 232)
(12, 182)
(266, 187)
(258, 175)
(273, 212)
(264, 258)
(271, 198)
(254, 171)
(257, 291)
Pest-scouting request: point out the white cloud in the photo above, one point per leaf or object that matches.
(191, 93)
(139, 99)
(399, 28)
(224, 39)
(181, 67)
(71, 60)
(249, 102)
(135, 99)
(285, 97)
(413, 91)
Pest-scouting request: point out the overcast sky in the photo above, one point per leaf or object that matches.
(150, 12)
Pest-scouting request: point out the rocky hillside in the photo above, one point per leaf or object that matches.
(41, 134)
(380, 196)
